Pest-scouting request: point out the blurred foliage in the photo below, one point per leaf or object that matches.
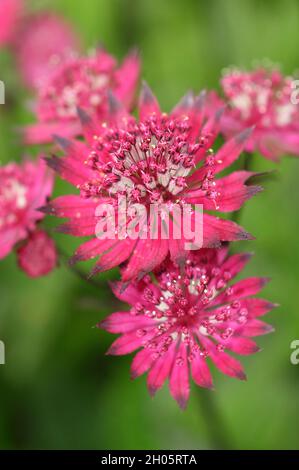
(58, 389)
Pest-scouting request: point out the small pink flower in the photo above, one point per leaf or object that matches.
(81, 82)
(183, 319)
(37, 256)
(10, 13)
(43, 42)
(261, 98)
(159, 159)
(23, 189)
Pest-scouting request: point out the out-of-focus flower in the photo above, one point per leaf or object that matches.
(81, 82)
(184, 317)
(44, 41)
(37, 256)
(161, 160)
(10, 14)
(261, 98)
(23, 189)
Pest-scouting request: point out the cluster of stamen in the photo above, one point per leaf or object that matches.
(81, 83)
(13, 196)
(261, 96)
(149, 162)
(181, 307)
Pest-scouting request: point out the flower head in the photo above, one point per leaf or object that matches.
(10, 13)
(81, 82)
(160, 160)
(23, 189)
(43, 42)
(182, 319)
(37, 255)
(262, 98)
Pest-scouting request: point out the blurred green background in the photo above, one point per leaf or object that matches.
(57, 388)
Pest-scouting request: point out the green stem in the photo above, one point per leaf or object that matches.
(213, 420)
(218, 434)
(128, 20)
(247, 164)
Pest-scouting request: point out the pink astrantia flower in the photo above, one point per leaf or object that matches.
(10, 13)
(183, 319)
(37, 256)
(23, 189)
(81, 82)
(261, 98)
(161, 159)
(43, 42)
